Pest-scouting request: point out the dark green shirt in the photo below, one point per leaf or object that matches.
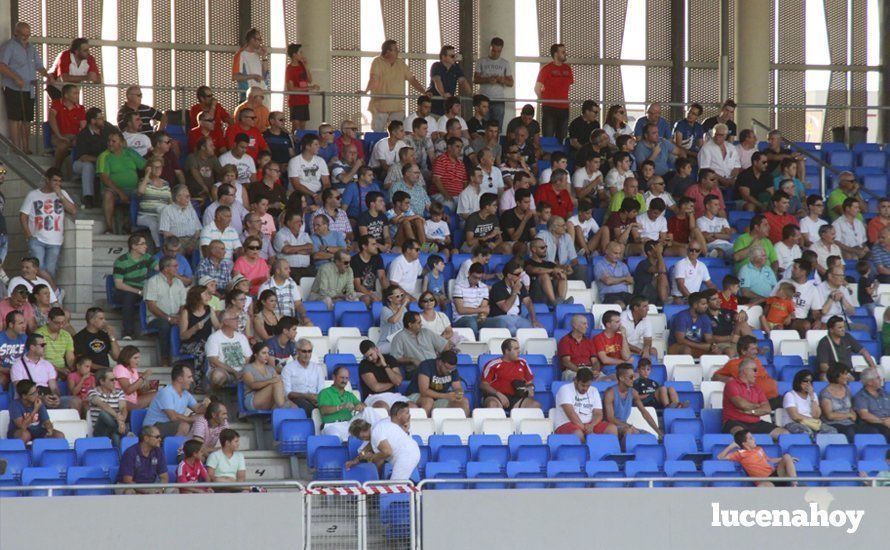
(131, 271)
(331, 397)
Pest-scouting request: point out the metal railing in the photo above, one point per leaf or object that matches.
(650, 482)
(50, 489)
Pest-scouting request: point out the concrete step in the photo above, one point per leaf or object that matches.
(269, 465)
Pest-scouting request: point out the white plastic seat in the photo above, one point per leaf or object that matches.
(813, 339)
(335, 333)
(536, 426)
(518, 415)
(73, 429)
(688, 373)
(708, 388)
(424, 427)
(659, 346)
(716, 400)
(885, 364)
(481, 415)
(350, 344)
(501, 427)
(374, 334)
(494, 345)
(308, 332)
(542, 346)
(754, 313)
(4, 423)
(598, 310)
(637, 421)
(594, 293)
(525, 334)
(475, 349)
(779, 335)
(581, 296)
(417, 413)
(466, 332)
(793, 347)
(379, 414)
(879, 314)
(658, 321)
(451, 283)
(316, 419)
(321, 346)
(576, 285)
(440, 415)
(708, 361)
(859, 363)
(306, 286)
(462, 427)
(782, 417)
(486, 334)
(671, 360)
(63, 415)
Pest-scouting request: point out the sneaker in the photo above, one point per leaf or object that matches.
(127, 338)
(60, 295)
(87, 202)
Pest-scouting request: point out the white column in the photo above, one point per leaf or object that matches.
(752, 62)
(498, 18)
(314, 32)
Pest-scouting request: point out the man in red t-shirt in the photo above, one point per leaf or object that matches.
(66, 119)
(575, 349)
(208, 104)
(744, 403)
(207, 128)
(247, 125)
(554, 80)
(610, 345)
(556, 194)
(779, 217)
(449, 174)
(507, 381)
(73, 66)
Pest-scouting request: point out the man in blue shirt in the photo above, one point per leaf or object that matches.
(12, 344)
(613, 278)
(171, 249)
(445, 77)
(168, 410)
(661, 151)
(689, 133)
(438, 384)
(19, 65)
(653, 116)
(28, 418)
(144, 462)
(691, 332)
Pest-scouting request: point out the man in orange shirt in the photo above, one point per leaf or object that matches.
(779, 217)
(880, 221)
(747, 349)
(755, 461)
(610, 345)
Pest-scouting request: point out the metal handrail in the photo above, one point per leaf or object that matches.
(122, 486)
(650, 480)
(21, 164)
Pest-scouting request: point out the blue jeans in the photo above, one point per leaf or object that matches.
(470, 321)
(496, 112)
(46, 254)
(129, 311)
(87, 172)
(4, 248)
(511, 322)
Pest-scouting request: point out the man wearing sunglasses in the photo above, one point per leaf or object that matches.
(28, 418)
(207, 103)
(206, 127)
(144, 462)
(153, 120)
(689, 274)
(33, 366)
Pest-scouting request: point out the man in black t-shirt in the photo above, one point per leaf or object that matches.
(754, 185)
(96, 340)
(373, 221)
(367, 269)
(505, 299)
(548, 280)
(379, 377)
(650, 275)
(476, 124)
(518, 224)
(583, 125)
(726, 116)
(482, 226)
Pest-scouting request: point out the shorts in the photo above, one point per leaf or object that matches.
(437, 404)
(299, 112)
(513, 400)
(19, 105)
(569, 428)
(389, 398)
(651, 401)
(759, 427)
(167, 429)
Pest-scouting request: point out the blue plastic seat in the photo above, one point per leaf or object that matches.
(632, 440)
(787, 440)
(444, 470)
(458, 454)
(107, 460)
(643, 468)
(329, 462)
(650, 452)
(40, 446)
(58, 459)
(440, 440)
(361, 472)
(606, 447)
(314, 442)
(137, 419)
(127, 442)
(293, 435)
(16, 457)
(681, 469)
(40, 476)
(176, 344)
(280, 415)
(556, 441)
(88, 475)
(810, 453)
(715, 442)
(520, 469)
(362, 320)
(172, 446)
(565, 468)
(865, 441)
(603, 469)
(871, 467)
(670, 415)
(722, 468)
(485, 470)
(515, 441)
(691, 426)
(322, 319)
(576, 453)
(838, 468)
(712, 420)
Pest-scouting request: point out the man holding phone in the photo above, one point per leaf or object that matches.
(33, 366)
(28, 418)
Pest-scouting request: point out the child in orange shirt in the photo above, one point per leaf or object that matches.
(755, 461)
(779, 309)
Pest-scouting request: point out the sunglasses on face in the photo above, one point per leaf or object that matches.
(254, 247)
(427, 300)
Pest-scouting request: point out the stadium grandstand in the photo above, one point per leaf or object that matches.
(351, 263)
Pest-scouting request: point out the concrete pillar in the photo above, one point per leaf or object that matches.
(498, 18)
(884, 93)
(76, 270)
(752, 62)
(314, 32)
(6, 23)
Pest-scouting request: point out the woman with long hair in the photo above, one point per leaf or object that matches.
(616, 123)
(197, 321)
(263, 387)
(251, 265)
(436, 321)
(235, 300)
(154, 193)
(266, 319)
(394, 307)
(138, 390)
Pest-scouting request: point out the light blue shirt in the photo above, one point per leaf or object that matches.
(759, 281)
(664, 127)
(23, 61)
(664, 160)
(562, 252)
(168, 399)
(333, 238)
(602, 268)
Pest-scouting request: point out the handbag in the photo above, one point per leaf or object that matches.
(812, 423)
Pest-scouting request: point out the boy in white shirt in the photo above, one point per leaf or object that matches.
(558, 160)
(810, 224)
(436, 228)
(588, 181)
(585, 231)
(851, 233)
(652, 222)
(788, 249)
(716, 230)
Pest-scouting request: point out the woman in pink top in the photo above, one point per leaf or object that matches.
(254, 268)
(138, 391)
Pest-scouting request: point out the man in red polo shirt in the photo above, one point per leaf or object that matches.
(575, 349)
(744, 403)
(507, 381)
(556, 194)
(73, 66)
(207, 127)
(554, 80)
(449, 174)
(778, 217)
(247, 125)
(208, 104)
(610, 345)
(707, 185)
(747, 349)
(66, 119)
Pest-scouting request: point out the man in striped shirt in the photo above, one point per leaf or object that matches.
(221, 230)
(290, 300)
(216, 266)
(179, 219)
(130, 271)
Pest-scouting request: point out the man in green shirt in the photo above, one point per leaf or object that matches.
(630, 189)
(337, 405)
(846, 188)
(758, 230)
(334, 281)
(130, 272)
(59, 348)
(117, 168)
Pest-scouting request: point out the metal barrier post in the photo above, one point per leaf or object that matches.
(333, 515)
(390, 526)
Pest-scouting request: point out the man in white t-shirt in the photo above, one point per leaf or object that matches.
(227, 351)
(653, 225)
(453, 110)
(308, 172)
(390, 442)
(788, 249)
(42, 218)
(406, 268)
(824, 248)
(424, 108)
(579, 408)
(835, 298)
(386, 151)
(493, 75)
(810, 224)
(135, 139)
(637, 328)
(715, 229)
(851, 233)
(585, 231)
(239, 158)
(492, 179)
(806, 293)
(689, 274)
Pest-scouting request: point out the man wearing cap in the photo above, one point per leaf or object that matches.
(438, 384)
(17, 301)
(379, 376)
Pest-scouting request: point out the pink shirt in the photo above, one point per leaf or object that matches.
(6, 306)
(257, 273)
(121, 371)
(41, 372)
(695, 193)
(268, 227)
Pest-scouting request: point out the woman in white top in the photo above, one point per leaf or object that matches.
(436, 321)
(616, 123)
(802, 407)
